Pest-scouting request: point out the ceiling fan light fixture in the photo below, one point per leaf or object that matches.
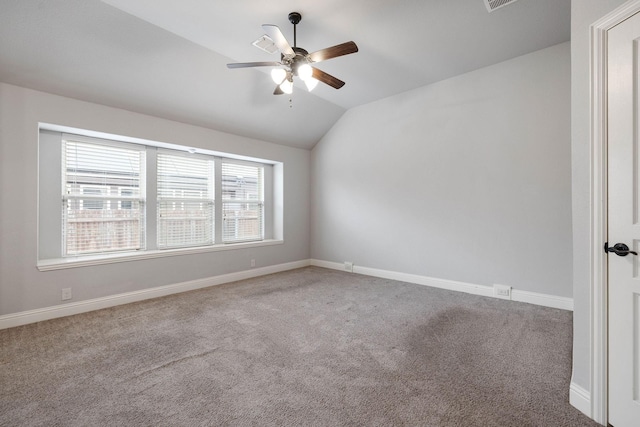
(287, 87)
(311, 83)
(278, 75)
(305, 71)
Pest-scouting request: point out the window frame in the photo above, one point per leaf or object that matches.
(259, 201)
(210, 200)
(100, 199)
(50, 258)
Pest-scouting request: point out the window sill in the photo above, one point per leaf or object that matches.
(87, 261)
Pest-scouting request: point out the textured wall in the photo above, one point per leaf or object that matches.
(467, 179)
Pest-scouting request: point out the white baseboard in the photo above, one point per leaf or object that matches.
(47, 313)
(32, 316)
(545, 300)
(580, 399)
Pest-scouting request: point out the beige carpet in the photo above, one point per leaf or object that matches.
(309, 347)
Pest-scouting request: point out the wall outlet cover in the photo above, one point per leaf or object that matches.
(502, 291)
(348, 266)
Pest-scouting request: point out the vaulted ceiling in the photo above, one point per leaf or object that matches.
(168, 58)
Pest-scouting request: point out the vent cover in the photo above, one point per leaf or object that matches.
(265, 43)
(497, 4)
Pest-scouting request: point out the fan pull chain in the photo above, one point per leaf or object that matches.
(295, 43)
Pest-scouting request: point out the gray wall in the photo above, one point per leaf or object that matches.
(23, 287)
(583, 14)
(467, 179)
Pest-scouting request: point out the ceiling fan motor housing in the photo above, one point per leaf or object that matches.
(299, 59)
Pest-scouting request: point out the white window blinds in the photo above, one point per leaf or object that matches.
(242, 202)
(185, 200)
(103, 197)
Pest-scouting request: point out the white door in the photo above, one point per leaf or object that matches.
(623, 67)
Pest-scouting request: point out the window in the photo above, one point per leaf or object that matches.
(98, 182)
(106, 198)
(242, 202)
(185, 200)
(126, 204)
(90, 202)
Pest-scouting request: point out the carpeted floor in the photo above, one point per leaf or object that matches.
(310, 347)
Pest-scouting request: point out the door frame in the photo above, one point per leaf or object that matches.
(598, 202)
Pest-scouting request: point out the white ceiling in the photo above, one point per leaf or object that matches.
(168, 58)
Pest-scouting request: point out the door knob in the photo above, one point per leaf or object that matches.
(619, 249)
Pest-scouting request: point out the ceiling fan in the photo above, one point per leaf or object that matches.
(296, 61)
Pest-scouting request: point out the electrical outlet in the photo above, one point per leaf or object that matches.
(348, 266)
(253, 263)
(66, 294)
(502, 291)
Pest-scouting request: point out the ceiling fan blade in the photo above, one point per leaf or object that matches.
(253, 64)
(278, 91)
(327, 78)
(333, 52)
(279, 40)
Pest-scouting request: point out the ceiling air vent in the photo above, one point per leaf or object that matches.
(497, 4)
(265, 43)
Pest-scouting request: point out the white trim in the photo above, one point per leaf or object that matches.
(545, 300)
(598, 235)
(86, 261)
(579, 398)
(426, 281)
(77, 132)
(32, 316)
(598, 203)
(327, 264)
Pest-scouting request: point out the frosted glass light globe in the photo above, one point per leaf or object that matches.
(305, 71)
(287, 87)
(311, 83)
(278, 75)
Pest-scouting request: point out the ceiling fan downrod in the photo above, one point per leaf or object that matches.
(295, 18)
